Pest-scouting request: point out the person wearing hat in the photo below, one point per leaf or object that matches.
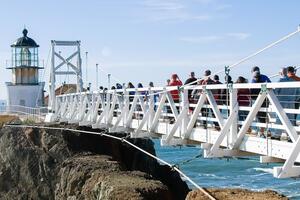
(263, 78)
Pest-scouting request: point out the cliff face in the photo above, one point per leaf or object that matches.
(48, 164)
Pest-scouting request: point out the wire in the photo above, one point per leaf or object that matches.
(125, 141)
(44, 73)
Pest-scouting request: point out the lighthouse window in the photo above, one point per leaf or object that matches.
(25, 57)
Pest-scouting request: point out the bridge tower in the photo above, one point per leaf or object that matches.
(57, 67)
(25, 88)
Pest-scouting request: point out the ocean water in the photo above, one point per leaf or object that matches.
(245, 173)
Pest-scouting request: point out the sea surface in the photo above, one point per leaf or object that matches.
(245, 173)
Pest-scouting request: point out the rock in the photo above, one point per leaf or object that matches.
(94, 177)
(52, 164)
(235, 194)
(9, 119)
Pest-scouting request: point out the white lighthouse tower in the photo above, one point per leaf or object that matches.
(25, 88)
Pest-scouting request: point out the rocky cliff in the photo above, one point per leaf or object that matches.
(51, 164)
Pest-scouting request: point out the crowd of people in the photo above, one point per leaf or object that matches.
(288, 97)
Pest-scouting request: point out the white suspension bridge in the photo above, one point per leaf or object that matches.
(152, 112)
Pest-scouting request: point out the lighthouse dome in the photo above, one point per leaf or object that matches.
(25, 41)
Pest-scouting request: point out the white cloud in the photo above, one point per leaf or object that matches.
(172, 11)
(214, 38)
(239, 36)
(163, 5)
(201, 39)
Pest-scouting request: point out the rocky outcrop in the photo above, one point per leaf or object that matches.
(51, 164)
(236, 194)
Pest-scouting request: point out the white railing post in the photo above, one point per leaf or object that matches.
(185, 106)
(151, 100)
(126, 106)
(108, 99)
(234, 127)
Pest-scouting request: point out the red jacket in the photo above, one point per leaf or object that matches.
(175, 93)
(243, 97)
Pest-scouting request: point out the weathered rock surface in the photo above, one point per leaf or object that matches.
(51, 164)
(236, 194)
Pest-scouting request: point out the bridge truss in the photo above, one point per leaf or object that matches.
(57, 69)
(152, 112)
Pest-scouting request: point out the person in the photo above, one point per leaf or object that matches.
(225, 92)
(218, 92)
(206, 80)
(291, 73)
(263, 78)
(140, 85)
(175, 81)
(259, 78)
(286, 97)
(168, 82)
(243, 98)
(191, 81)
(151, 84)
(155, 96)
(118, 86)
(228, 79)
(131, 93)
(138, 106)
(130, 85)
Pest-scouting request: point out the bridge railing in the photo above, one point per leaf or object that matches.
(220, 117)
(25, 112)
(216, 98)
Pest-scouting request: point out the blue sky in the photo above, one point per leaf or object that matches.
(148, 40)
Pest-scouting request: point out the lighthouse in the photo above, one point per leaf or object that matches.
(25, 88)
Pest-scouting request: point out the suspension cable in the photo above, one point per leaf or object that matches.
(125, 141)
(43, 77)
